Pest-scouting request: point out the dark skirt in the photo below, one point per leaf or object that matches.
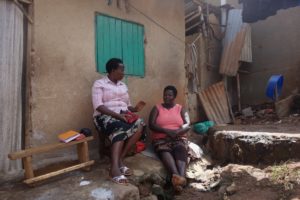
(116, 130)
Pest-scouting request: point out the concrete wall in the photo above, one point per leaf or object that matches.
(276, 50)
(64, 61)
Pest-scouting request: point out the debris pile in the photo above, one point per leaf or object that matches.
(202, 176)
(269, 113)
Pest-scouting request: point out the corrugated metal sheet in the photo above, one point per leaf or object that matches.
(215, 103)
(246, 54)
(236, 43)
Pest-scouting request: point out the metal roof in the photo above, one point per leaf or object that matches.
(236, 43)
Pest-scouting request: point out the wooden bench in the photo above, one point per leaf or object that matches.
(26, 155)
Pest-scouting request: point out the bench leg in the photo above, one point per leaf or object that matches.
(83, 154)
(28, 167)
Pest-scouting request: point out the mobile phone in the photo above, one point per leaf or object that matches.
(140, 105)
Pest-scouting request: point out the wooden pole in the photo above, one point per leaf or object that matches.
(45, 148)
(28, 167)
(58, 172)
(238, 91)
(83, 154)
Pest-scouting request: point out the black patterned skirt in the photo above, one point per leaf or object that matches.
(117, 130)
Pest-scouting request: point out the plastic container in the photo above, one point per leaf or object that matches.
(274, 87)
(202, 127)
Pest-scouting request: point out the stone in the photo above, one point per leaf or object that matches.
(230, 190)
(144, 189)
(222, 190)
(247, 112)
(158, 191)
(138, 172)
(198, 186)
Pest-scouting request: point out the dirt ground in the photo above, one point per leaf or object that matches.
(242, 182)
(237, 182)
(257, 182)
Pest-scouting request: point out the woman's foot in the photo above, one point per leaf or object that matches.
(121, 179)
(178, 180)
(117, 176)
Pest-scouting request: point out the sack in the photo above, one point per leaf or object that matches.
(131, 117)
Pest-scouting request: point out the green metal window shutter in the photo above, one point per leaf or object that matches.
(116, 38)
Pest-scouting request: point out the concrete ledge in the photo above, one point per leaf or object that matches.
(254, 144)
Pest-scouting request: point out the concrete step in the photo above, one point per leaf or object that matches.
(254, 144)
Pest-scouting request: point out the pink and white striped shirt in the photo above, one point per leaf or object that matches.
(113, 96)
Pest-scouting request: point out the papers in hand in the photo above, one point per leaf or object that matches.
(68, 136)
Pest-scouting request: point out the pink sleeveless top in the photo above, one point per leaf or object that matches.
(168, 118)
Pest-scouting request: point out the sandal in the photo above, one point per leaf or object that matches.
(125, 171)
(121, 179)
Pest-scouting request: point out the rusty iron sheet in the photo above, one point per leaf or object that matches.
(215, 103)
(236, 44)
(246, 54)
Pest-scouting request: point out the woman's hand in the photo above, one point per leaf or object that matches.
(182, 131)
(122, 117)
(171, 133)
(177, 133)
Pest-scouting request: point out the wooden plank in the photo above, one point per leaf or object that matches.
(45, 148)
(238, 85)
(197, 15)
(141, 52)
(28, 167)
(105, 51)
(28, 76)
(58, 172)
(118, 47)
(83, 154)
(99, 44)
(23, 11)
(112, 37)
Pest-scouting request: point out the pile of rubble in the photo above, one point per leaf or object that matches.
(286, 111)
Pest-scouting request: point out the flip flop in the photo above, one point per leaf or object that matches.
(120, 180)
(125, 171)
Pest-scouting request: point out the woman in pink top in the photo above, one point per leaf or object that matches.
(110, 102)
(169, 123)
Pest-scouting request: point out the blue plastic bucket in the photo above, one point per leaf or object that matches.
(274, 87)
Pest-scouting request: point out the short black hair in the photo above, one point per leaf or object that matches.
(172, 88)
(112, 64)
